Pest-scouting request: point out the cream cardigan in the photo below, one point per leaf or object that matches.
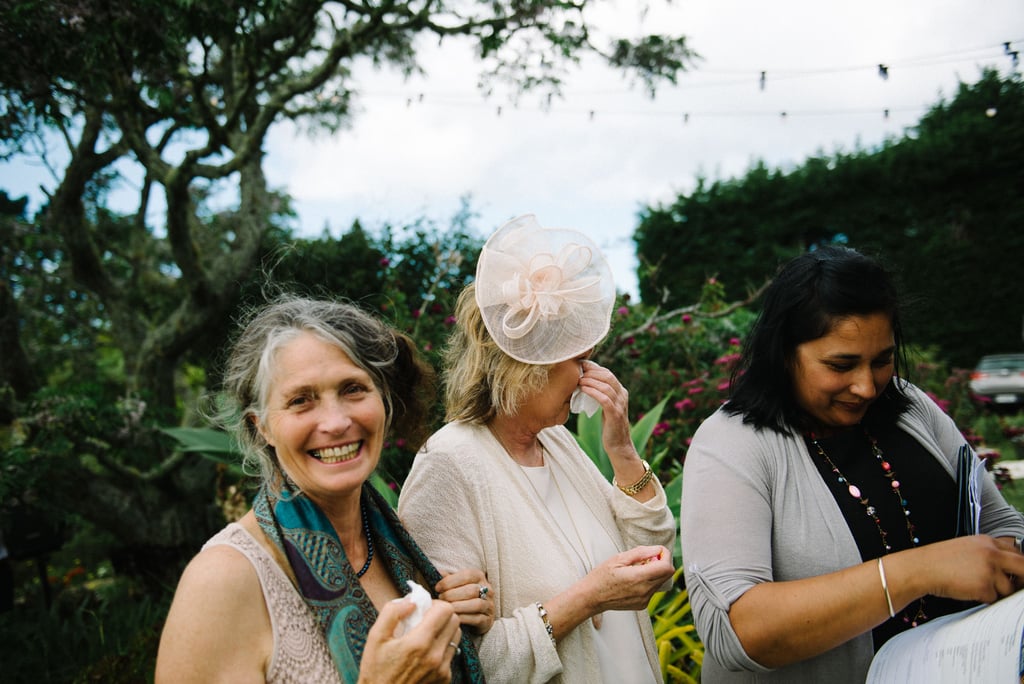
(467, 505)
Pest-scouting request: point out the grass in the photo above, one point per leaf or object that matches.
(1013, 492)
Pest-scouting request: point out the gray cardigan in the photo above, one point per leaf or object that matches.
(755, 509)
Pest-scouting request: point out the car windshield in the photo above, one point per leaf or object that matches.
(1008, 361)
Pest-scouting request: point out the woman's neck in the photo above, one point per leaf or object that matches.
(346, 517)
(521, 444)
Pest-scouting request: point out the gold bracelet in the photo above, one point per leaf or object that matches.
(547, 624)
(634, 489)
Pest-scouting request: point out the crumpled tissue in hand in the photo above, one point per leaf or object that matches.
(583, 403)
(421, 599)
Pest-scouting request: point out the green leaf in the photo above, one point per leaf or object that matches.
(644, 428)
(588, 436)
(205, 440)
(674, 494)
(381, 485)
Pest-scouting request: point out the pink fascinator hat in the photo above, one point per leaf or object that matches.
(546, 294)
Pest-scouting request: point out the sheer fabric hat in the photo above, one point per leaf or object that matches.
(546, 294)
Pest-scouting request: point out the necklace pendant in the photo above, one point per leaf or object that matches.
(854, 491)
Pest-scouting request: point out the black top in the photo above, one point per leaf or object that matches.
(931, 501)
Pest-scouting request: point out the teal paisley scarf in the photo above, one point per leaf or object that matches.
(328, 582)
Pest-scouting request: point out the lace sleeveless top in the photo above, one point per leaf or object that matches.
(300, 653)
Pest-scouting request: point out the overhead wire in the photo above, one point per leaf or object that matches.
(990, 54)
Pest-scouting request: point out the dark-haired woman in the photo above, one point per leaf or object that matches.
(819, 503)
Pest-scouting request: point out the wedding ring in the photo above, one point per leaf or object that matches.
(458, 651)
(484, 590)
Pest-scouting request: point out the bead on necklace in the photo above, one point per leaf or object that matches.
(369, 545)
(872, 512)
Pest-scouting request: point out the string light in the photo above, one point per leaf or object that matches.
(882, 69)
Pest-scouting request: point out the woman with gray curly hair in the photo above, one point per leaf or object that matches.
(309, 584)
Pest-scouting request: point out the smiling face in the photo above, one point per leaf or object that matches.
(324, 418)
(836, 377)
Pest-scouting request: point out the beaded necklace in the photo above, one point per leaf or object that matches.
(872, 512)
(369, 545)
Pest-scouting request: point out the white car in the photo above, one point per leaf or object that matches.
(999, 379)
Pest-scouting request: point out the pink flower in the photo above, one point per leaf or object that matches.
(449, 320)
(695, 390)
(416, 313)
(385, 262)
(685, 405)
(734, 341)
(723, 386)
(661, 428)
(623, 311)
(687, 318)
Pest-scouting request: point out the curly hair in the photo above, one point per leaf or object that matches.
(405, 381)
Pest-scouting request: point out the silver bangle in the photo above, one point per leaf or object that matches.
(885, 588)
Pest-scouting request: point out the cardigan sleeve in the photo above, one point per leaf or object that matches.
(444, 506)
(726, 530)
(998, 518)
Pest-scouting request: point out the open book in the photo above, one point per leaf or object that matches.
(981, 644)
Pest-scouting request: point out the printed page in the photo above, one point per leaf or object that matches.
(982, 644)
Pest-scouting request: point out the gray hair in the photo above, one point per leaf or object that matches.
(388, 356)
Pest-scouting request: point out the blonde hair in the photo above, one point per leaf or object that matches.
(481, 380)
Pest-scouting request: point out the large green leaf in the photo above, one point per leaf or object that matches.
(205, 440)
(644, 428)
(588, 435)
(381, 485)
(211, 444)
(674, 494)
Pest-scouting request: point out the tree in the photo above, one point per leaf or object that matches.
(184, 93)
(940, 205)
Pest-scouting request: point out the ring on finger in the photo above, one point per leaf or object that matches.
(458, 651)
(483, 591)
(1018, 542)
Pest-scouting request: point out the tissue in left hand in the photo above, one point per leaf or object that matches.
(581, 402)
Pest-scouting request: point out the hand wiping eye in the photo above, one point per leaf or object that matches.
(583, 403)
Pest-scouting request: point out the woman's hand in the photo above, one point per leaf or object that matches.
(471, 597)
(601, 384)
(627, 580)
(616, 435)
(974, 568)
(423, 654)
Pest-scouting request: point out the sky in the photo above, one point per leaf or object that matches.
(598, 155)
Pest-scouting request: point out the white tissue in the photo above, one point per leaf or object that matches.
(421, 599)
(583, 403)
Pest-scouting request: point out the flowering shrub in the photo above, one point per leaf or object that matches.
(685, 357)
